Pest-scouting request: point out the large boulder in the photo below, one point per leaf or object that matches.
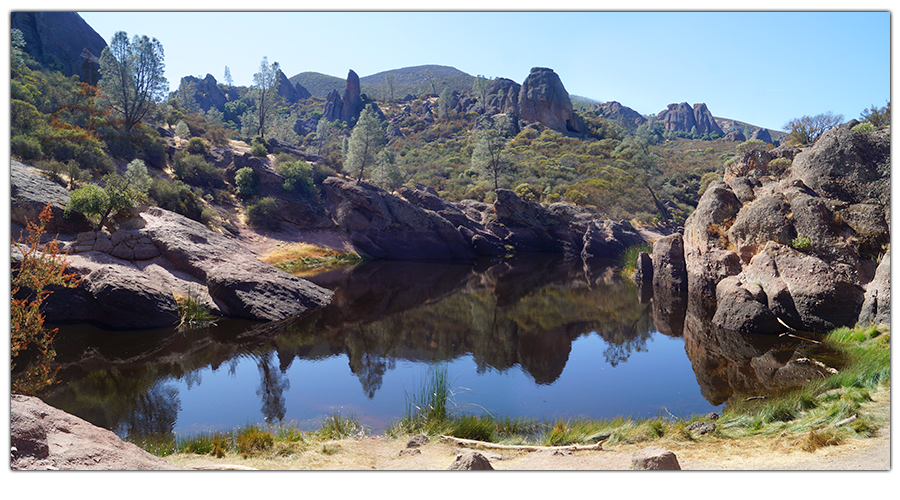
(206, 92)
(654, 458)
(708, 258)
(683, 117)
(627, 117)
(876, 307)
(543, 99)
(348, 108)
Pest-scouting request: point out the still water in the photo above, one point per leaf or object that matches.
(534, 336)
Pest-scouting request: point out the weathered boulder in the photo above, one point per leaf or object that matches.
(288, 91)
(683, 117)
(542, 98)
(654, 458)
(503, 97)
(643, 269)
(418, 440)
(470, 460)
(704, 120)
(31, 192)
(606, 239)
(762, 134)
(45, 438)
(529, 227)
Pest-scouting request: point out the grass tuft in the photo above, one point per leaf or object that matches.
(300, 258)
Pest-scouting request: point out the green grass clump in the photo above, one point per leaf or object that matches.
(192, 311)
(630, 257)
(337, 426)
(251, 441)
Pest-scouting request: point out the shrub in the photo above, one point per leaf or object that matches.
(245, 182)
(182, 129)
(197, 146)
(177, 197)
(298, 177)
(154, 153)
(26, 147)
(778, 165)
(527, 192)
(262, 213)
(258, 147)
(802, 244)
(865, 127)
(196, 171)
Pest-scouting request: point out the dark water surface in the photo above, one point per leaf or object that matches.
(534, 336)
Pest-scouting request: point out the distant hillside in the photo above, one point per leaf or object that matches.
(416, 80)
(729, 124)
(319, 85)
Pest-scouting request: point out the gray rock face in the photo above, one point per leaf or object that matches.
(63, 36)
(654, 458)
(542, 98)
(290, 92)
(876, 307)
(707, 257)
(669, 270)
(31, 192)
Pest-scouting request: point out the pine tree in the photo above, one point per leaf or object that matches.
(366, 142)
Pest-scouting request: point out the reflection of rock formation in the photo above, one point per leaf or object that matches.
(523, 312)
(730, 363)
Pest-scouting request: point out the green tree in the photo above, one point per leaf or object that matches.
(182, 129)
(118, 193)
(227, 78)
(298, 176)
(386, 173)
(808, 129)
(489, 158)
(16, 47)
(265, 94)
(366, 141)
(445, 103)
(132, 78)
(481, 87)
(389, 80)
(245, 182)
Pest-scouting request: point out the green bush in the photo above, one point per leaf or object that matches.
(197, 146)
(865, 127)
(262, 214)
(527, 192)
(177, 197)
(803, 244)
(196, 171)
(26, 148)
(778, 165)
(258, 147)
(245, 182)
(298, 177)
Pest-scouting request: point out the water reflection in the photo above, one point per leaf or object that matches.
(523, 312)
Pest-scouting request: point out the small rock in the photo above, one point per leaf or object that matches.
(410, 451)
(418, 440)
(654, 458)
(701, 428)
(470, 460)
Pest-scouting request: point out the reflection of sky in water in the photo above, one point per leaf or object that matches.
(660, 377)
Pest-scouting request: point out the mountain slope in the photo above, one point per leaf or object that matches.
(318, 84)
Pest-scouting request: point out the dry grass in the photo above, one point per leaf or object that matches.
(298, 258)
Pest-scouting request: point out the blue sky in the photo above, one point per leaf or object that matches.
(764, 68)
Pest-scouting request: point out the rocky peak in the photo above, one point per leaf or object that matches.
(349, 107)
(290, 92)
(613, 110)
(207, 92)
(543, 98)
(683, 117)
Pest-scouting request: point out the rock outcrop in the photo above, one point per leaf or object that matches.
(629, 118)
(348, 108)
(205, 92)
(543, 98)
(130, 278)
(419, 225)
(287, 90)
(654, 458)
(61, 39)
(683, 117)
(799, 249)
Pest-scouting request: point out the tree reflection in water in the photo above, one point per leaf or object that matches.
(271, 388)
(153, 414)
